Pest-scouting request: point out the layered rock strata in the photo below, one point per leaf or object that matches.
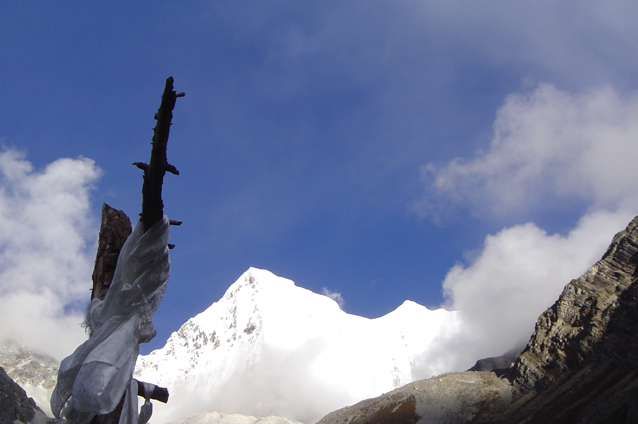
(581, 363)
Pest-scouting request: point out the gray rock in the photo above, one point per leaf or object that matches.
(34, 372)
(577, 326)
(502, 362)
(14, 403)
(26, 367)
(581, 363)
(448, 399)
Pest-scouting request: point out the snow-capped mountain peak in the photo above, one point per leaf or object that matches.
(269, 347)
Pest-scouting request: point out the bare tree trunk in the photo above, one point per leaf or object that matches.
(114, 230)
(116, 226)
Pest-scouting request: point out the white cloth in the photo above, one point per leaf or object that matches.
(94, 379)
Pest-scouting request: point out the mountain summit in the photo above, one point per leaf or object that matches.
(234, 356)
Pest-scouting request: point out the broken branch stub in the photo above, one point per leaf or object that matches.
(114, 230)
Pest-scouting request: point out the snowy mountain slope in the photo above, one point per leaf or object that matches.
(269, 347)
(35, 373)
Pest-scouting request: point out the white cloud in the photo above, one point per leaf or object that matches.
(46, 251)
(519, 273)
(281, 382)
(547, 145)
(337, 297)
(549, 148)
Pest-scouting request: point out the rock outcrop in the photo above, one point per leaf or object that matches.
(27, 367)
(580, 365)
(447, 399)
(14, 403)
(34, 372)
(498, 362)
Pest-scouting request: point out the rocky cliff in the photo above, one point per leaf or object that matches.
(14, 403)
(580, 365)
(35, 373)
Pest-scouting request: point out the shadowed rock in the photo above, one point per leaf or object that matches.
(14, 403)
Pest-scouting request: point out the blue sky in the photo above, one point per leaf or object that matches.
(368, 148)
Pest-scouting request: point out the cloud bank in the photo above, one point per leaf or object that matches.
(548, 144)
(550, 147)
(519, 273)
(47, 247)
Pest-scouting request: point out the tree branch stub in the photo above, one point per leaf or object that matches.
(114, 230)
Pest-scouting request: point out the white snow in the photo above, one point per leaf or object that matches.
(41, 396)
(269, 347)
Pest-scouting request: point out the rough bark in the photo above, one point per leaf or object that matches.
(154, 171)
(114, 230)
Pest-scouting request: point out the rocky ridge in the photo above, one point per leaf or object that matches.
(15, 406)
(27, 367)
(35, 373)
(14, 403)
(446, 399)
(581, 363)
(579, 366)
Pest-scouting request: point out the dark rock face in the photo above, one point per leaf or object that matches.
(504, 361)
(588, 320)
(14, 403)
(580, 365)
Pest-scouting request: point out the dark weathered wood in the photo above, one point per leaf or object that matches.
(152, 205)
(114, 230)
